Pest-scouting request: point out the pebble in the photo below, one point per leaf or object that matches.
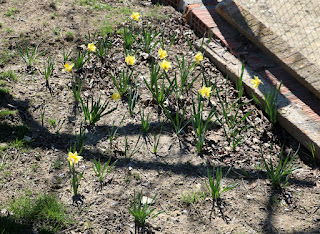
(115, 204)
(249, 197)
(148, 200)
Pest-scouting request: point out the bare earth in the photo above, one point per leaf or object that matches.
(254, 206)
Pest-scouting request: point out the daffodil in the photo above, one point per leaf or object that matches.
(115, 96)
(68, 67)
(135, 16)
(198, 57)
(130, 60)
(73, 158)
(162, 53)
(91, 47)
(256, 81)
(205, 91)
(165, 65)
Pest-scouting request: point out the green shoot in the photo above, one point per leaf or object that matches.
(214, 184)
(279, 174)
(101, 171)
(141, 212)
(95, 111)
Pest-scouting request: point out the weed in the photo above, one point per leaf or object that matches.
(56, 31)
(53, 15)
(95, 4)
(17, 144)
(57, 164)
(9, 31)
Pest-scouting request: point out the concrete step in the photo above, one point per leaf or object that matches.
(299, 109)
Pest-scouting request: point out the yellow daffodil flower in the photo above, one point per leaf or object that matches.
(165, 65)
(205, 91)
(130, 60)
(115, 96)
(68, 67)
(162, 53)
(73, 158)
(198, 57)
(135, 16)
(256, 81)
(91, 47)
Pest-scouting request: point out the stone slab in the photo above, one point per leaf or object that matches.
(306, 72)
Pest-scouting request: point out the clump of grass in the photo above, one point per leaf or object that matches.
(8, 75)
(4, 91)
(45, 212)
(4, 113)
(193, 197)
(69, 36)
(6, 56)
(95, 4)
(11, 11)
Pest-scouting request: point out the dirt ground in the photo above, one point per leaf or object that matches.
(176, 170)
